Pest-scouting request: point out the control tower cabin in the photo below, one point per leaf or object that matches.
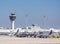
(12, 18)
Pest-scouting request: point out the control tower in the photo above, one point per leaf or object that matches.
(12, 18)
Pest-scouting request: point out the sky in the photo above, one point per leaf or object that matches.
(44, 13)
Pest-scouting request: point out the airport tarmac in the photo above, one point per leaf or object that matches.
(17, 40)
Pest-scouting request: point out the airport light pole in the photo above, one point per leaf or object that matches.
(44, 17)
(12, 18)
(26, 19)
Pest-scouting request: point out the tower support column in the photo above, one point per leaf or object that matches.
(12, 25)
